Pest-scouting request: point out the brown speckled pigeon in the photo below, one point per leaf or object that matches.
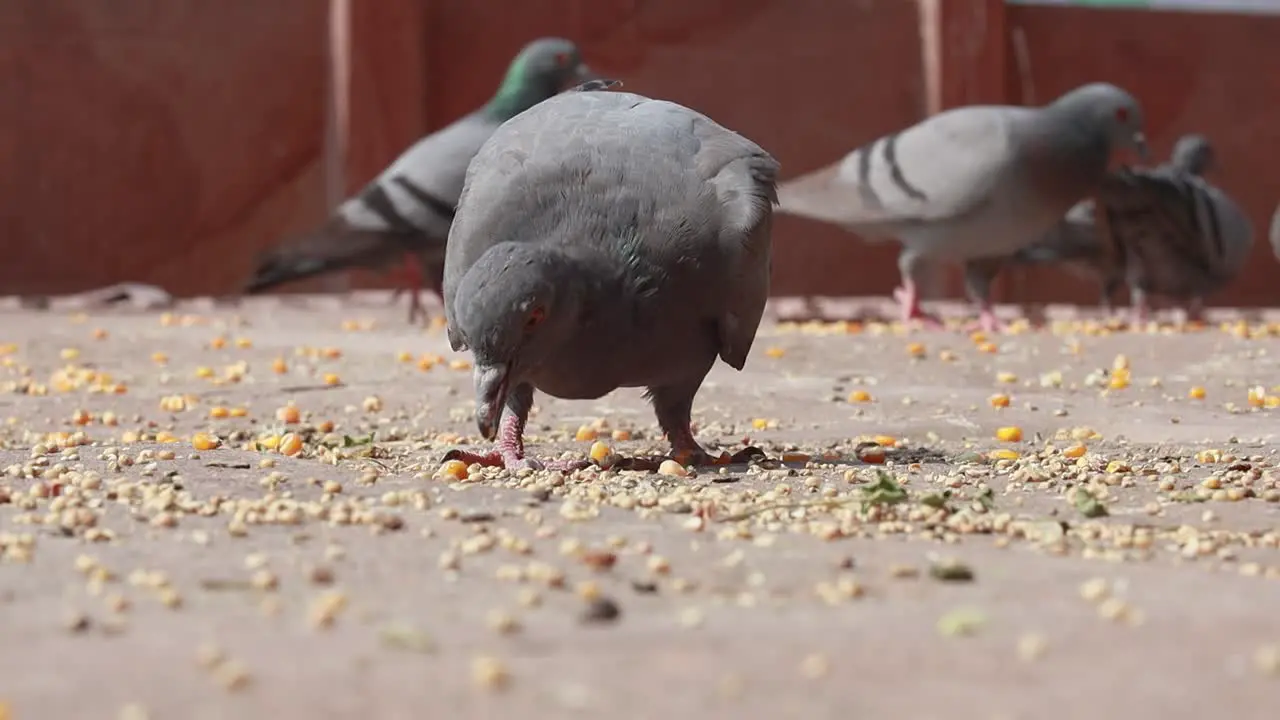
(1084, 247)
(405, 212)
(974, 184)
(606, 240)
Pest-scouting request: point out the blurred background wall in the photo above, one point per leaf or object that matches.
(169, 141)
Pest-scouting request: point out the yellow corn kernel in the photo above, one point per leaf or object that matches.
(218, 343)
(244, 343)
(1006, 377)
(69, 353)
(621, 435)
(1120, 363)
(452, 470)
(289, 415)
(1012, 433)
(279, 366)
(916, 349)
(99, 334)
(332, 379)
(204, 372)
(164, 436)
(160, 358)
(600, 451)
(1257, 396)
(672, 469)
(988, 347)
(460, 364)
(1003, 454)
(404, 356)
(859, 396)
(774, 352)
(1196, 393)
(586, 433)
(885, 440)
(331, 353)
(204, 441)
(218, 412)
(239, 412)
(1075, 451)
(290, 444)
(269, 442)
(999, 400)
(1119, 379)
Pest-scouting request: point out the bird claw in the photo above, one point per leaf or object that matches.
(911, 310)
(695, 458)
(513, 462)
(987, 322)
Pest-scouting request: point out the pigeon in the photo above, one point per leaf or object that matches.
(405, 212)
(1179, 235)
(607, 240)
(1076, 243)
(1275, 232)
(974, 184)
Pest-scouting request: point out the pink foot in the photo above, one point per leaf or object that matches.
(496, 458)
(509, 452)
(987, 322)
(910, 302)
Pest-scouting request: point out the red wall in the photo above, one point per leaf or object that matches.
(169, 142)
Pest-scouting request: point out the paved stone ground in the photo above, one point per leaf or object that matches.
(141, 578)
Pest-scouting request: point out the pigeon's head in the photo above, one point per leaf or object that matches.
(1112, 110)
(551, 65)
(1194, 154)
(512, 307)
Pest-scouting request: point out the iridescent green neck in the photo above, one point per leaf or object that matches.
(517, 93)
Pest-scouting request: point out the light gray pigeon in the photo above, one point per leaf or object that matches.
(1078, 244)
(1179, 236)
(974, 184)
(405, 212)
(606, 240)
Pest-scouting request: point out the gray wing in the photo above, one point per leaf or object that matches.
(419, 191)
(588, 165)
(941, 168)
(1182, 235)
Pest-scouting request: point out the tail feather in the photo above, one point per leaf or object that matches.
(333, 247)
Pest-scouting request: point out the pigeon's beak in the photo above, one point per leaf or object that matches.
(1140, 146)
(491, 396)
(584, 74)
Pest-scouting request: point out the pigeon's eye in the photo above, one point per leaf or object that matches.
(1122, 114)
(562, 59)
(536, 316)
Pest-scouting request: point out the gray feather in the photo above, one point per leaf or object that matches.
(971, 182)
(1171, 232)
(654, 219)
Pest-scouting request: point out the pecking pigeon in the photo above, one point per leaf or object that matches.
(1178, 235)
(974, 184)
(606, 240)
(1076, 242)
(405, 212)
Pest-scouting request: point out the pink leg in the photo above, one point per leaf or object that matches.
(909, 299)
(987, 321)
(510, 451)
